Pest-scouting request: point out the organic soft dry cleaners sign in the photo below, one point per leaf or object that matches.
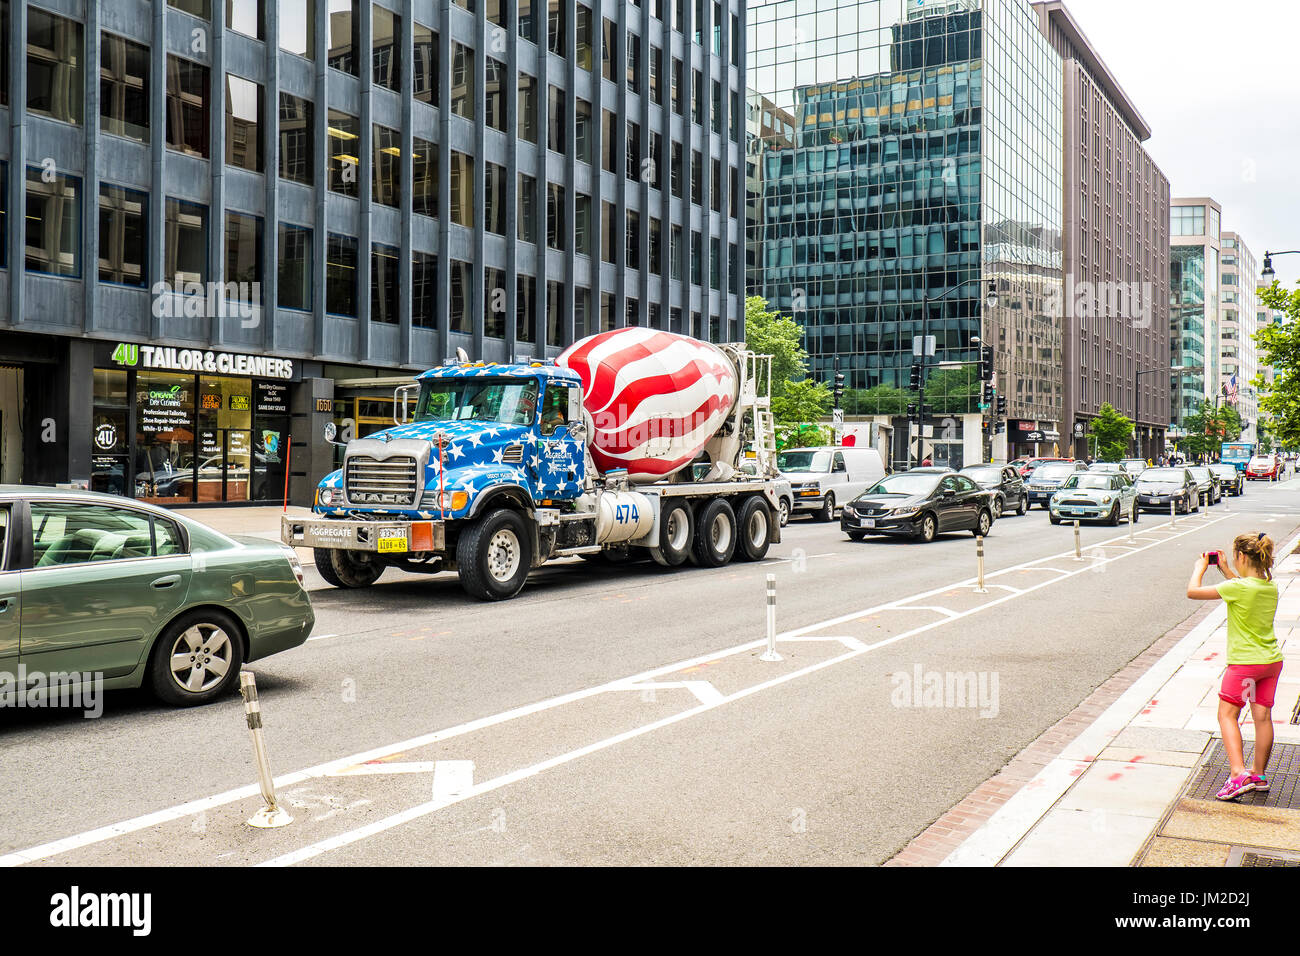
(197, 360)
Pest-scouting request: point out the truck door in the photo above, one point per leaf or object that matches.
(560, 455)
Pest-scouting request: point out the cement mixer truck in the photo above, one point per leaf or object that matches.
(632, 442)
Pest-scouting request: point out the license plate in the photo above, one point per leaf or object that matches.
(868, 522)
(392, 539)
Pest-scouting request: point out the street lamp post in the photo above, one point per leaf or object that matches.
(990, 301)
(1268, 272)
(1137, 393)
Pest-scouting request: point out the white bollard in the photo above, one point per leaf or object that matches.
(271, 815)
(1173, 513)
(770, 654)
(1078, 546)
(1132, 524)
(979, 565)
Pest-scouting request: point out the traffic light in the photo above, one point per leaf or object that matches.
(1002, 406)
(986, 362)
(999, 428)
(989, 392)
(839, 388)
(911, 410)
(916, 377)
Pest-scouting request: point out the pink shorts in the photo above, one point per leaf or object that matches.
(1255, 683)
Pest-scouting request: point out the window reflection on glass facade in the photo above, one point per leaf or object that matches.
(345, 35)
(123, 87)
(185, 243)
(462, 81)
(297, 136)
(424, 177)
(341, 275)
(384, 284)
(387, 166)
(462, 296)
(187, 106)
(527, 108)
(494, 198)
(296, 25)
(495, 83)
(462, 189)
(424, 290)
(243, 123)
(54, 60)
(526, 215)
(53, 223)
(899, 152)
(424, 82)
(293, 277)
(583, 27)
(525, 308)
(494, 299)
(123, 235)
(556, 26)
(555, 230)
(343, 135)
(385, 61)
(243, 258)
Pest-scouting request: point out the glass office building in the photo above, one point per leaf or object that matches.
(356, 187)
(901, 156)
(1195, 246)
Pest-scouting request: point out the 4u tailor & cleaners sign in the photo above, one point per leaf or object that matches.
(171, 359)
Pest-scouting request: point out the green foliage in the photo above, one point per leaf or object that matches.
(804, 401)
(877, 400)
(768, 333)
(802, 435)
(1279, 347)
(1110, 432)
(1208, 428)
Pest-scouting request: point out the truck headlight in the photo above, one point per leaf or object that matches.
(811, 490)
(326, 496)
(453, 500)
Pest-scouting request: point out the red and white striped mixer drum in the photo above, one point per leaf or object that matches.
(655, 398)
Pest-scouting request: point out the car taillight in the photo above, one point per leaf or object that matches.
(294, 563)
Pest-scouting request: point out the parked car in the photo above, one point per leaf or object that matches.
(933, 470)
(1133, 466)
(93, 583)
(1263, 466)
(1095, 496)
(920, 506)
(1047, 478)
(1207, 485)
(1029, 465)
(1157, 488)
(822, 477)
(1109, 468)
(1006, 484)
(1231, 481)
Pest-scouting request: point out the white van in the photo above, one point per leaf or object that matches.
(823, 479)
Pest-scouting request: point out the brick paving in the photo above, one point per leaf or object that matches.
(933, 845)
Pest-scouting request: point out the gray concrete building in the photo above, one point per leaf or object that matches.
(244, 217)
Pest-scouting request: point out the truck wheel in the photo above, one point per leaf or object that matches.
(347, 569)
(494, 556)
(785, 512)
(715, 534)
(675, 532)
(755, 523)
(828, 508)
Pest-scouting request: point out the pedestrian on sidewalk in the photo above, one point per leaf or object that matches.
(1254, 658)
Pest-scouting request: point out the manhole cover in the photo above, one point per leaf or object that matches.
(1283, 778)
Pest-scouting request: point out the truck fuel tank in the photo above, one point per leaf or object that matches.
(623, 516)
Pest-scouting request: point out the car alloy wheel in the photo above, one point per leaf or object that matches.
(201, 657)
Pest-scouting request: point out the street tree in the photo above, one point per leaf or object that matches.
(1111, 432)
(1279, 347)
(769, 333)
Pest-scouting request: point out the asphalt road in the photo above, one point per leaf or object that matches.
(710, 755)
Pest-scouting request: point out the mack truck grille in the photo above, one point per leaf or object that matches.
(371, 481)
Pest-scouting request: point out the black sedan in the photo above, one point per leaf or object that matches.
(920, 506)
(1006, 484)
(1157, 488)
(1231, 481)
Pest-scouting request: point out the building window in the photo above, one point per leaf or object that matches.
(293, 268)
(555, 27)
(4, 68)
(583, 26)
(717, 28)
(608, 234)
(185, 243)
(656, 252)
(53, 223)
(697, 259)
(469, 5)
(633, 63)
(655, 176)
(633, 253)
(297, 139)
(494, 301)
(582, 224)
(555, 229)
(462, 189)
(581, 307)
(633, 152)
(609, 51)
(243, 123)
(424, 290)
(697, 98)
(345, 36)
(341, 275)
(123, 236)
(495, 12)
(656, 88)
(715, 263)
(556, 120)
(675, 172)
(697, 178)
(386, 166)
(697, 25)
(424, 81)
(246, 17)
(717, 107)
(54, 59)
(525, 308)
(494, 94)
(526, 214)
(527, 23)
(195, 8)
(494, 198)
(734, 195)
(735, 116)
(582, 130)
(385, 40)
(297, 27)
(675, 255)
(677, 91)
(608, 320)
(633, 311)
(462, 81)
(527, 108)
(244, 258)
(462, 284)
(123, 87)
(344, 137)
(424, 177)
(187, 107)
(554, 313)
(715, 200)
(385, 283)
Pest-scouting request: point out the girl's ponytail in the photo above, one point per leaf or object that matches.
(1258, 548)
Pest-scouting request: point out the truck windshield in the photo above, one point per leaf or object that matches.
(507, 401)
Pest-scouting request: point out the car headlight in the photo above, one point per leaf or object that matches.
(903, 512)
(1105, 499)
(327, 496)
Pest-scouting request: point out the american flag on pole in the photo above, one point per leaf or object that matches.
(1230, 390)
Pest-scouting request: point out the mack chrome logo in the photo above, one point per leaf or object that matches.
(378, 497)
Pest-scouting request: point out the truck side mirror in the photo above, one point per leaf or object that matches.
(575, 407)
(399, 395)
(578, 430)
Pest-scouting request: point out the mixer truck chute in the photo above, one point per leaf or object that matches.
(631, 441)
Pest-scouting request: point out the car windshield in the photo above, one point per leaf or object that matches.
(1258, 462)
(804, 462)
(1088, 482)
(983, 474)
(1053, 471)
(1223, 469)
(904, 484)
(508, 401)
(1162, 475)
(1200, 474)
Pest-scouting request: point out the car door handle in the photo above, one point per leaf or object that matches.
(166, 581)
(5, 604)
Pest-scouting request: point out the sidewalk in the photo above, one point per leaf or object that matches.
(1129, 778)
(260, 521)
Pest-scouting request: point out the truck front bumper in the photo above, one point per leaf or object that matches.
(389, 536)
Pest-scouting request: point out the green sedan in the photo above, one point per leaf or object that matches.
(107, 589)
(1094, 496)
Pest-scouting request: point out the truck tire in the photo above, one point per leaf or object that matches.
(676, 530)
(715, 534)
(344, 569)
(754, 523)
(494, 555)
(827, 512)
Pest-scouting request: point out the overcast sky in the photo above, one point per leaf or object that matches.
(1219, 84)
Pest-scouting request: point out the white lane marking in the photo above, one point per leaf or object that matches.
(320, 637)
(923, 607)
(1007, 587)
(451, 778)
(194, 807)
(370, 769)
(704, 691)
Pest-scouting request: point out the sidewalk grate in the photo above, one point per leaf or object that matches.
(1283, 778)
(1264, 859)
